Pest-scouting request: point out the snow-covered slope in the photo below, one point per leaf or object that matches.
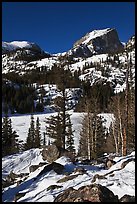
(21, 124)
(10, 46)
(95, 67)
(15, 45)
(91, 35)
(35, 188)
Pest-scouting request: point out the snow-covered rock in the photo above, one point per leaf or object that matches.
(97, 42)
(36, 189)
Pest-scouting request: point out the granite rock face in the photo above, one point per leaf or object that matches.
(90, 193)
(97, 42)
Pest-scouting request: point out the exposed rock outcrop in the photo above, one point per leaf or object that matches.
(90, 193)
(97, 42)
(127, 198)
(58, 168)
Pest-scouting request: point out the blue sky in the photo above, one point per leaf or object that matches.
(55, 26)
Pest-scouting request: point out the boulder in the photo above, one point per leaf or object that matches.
(109, 163)
(32, 168)
(66, 178)
(86, 162)
(58, 168)
(52, 187)
(97, 176)
(18, 196)
(89, 193)
(80, 170)
(127, 198)
(51, 153)
(6, 183)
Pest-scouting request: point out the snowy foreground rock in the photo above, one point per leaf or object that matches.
(63, 180)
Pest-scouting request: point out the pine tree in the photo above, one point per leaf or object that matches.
(37, 137)
(30, 142)
(44, 138)
(70, 140)
(54, 129)
(10, 144)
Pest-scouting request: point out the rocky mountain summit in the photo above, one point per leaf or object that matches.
(97, 42)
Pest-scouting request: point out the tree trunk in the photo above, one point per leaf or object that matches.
(124, 147)
(120, 125)
(115, 139)
(64, 120)
(88, 134)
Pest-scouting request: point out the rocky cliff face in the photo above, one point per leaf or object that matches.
(97, 42)
(130, 45)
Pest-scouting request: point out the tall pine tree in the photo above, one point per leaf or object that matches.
(37, 137)
(70, 137)
(30, 141)
(10, 144)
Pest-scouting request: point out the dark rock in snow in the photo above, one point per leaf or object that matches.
(109, 163)
(67, 178)
(127, 198)
(52, 187)
(32, 168)
(89, 193)
(80, 170)
(97, 176)
(58, 168)
(6, 183)
(18, 196)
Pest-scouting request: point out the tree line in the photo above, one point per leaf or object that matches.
(94, 140)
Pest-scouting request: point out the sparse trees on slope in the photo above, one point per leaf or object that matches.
(55, 131)
(34, 137)
(92, 136)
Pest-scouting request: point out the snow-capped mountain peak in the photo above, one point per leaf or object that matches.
(97, 42)
(15, 45)
(95, 33)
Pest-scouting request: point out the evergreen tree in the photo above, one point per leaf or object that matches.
(10, 144)
(30, 142)
(44, 138)
(54, 129)
(37, 138)
(70, 140)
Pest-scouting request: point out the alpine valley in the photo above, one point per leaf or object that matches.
(68, 121)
